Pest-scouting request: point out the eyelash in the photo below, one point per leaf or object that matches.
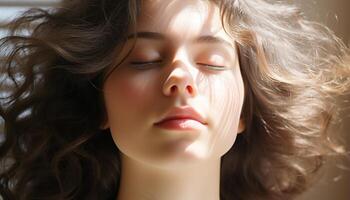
(146, 63)
(140, 64)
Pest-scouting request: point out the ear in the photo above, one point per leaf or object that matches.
(241, 126)
(105, 125)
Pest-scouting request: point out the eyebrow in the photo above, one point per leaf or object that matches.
(160, 36)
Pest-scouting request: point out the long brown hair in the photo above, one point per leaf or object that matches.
(52, 148)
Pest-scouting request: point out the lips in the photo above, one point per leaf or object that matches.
(183, 113)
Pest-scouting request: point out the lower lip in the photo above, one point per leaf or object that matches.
(181, 124)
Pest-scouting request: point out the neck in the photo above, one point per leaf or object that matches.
(144, 182)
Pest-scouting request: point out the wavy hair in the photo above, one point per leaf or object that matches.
(52, 147)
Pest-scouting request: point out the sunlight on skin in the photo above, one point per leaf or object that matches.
(137, 98)
(214, 97)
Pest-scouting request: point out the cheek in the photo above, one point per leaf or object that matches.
(128, 100)
(129, 92)
(123, 96)
(126, 91)
(226, 102)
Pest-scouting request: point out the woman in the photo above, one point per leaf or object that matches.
(226, 99)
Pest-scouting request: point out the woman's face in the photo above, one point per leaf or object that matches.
(182, 57)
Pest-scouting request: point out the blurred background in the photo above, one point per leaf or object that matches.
(335, 183)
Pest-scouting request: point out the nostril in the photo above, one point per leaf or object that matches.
(190, 89)
(173, 89)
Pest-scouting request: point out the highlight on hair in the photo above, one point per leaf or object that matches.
(53, 147)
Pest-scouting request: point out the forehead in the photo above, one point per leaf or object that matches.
(185, 18)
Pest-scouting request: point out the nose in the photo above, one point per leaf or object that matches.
(180, 81)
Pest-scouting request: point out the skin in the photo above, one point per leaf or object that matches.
(160, 164)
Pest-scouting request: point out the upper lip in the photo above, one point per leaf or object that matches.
(183, 113)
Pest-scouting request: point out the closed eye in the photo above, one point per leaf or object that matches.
(157, 62)
(216, 67)
(145, 64)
